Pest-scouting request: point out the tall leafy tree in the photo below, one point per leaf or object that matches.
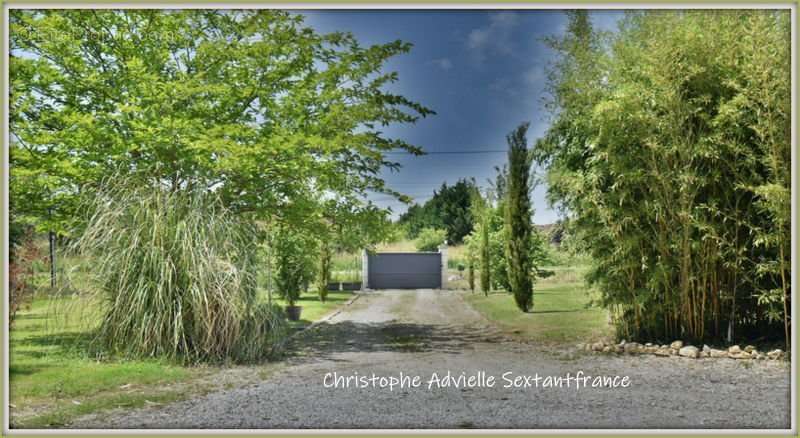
(345, 228)
(253, 105)
(448, 209)
(518, 219)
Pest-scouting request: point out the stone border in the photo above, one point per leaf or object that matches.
(325, 318)
(677, 348)
(337, 311)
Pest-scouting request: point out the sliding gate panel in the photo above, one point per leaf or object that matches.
(411, 270)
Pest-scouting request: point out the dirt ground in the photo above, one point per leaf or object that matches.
(427, 332)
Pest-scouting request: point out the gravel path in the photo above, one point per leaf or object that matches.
(425, 332)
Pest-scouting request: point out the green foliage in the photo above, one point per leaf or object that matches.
(24, 255)
(175, 271)
(518, 217)
(255, 107)
(324, 270)
(315, 309)
(344, 227)
(670, 149)
(472, 250)
(563, 311)
(346, 267)
(471, 275)
(296, 259)
(478, 240)
(19, 234)
(430, 239)
(252, 104)
(486, 249)
(448, 209)
(495, 249)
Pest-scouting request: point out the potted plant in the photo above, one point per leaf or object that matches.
(294, 260)
(293, 311)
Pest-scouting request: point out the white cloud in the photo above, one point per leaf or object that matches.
(478, 38)
(504, 19)
(496, 36)
(443, 63)
(520, 87)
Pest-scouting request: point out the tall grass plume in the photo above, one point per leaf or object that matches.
(176, 273)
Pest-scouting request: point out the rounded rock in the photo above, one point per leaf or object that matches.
(689, 351)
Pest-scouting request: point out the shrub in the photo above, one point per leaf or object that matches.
(324, 271)
(498, 266)
(430, 238)
(24, 254)
(494, 273)
(260, 331)
(472, 258)
(176, 271)
(295, 258)
(485, 258)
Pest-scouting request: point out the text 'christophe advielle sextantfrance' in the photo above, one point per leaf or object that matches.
(478, 379)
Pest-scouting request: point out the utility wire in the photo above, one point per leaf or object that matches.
(486, 151)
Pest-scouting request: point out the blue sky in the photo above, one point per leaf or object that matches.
(483, 72)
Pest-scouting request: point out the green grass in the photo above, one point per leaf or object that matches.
(56, 375)
(313, 308)
(346, 261)
(53, 377)
(560, 313)
(66, 412)
(346, 267)
(403, 245)
(456, 254)
(346, 276)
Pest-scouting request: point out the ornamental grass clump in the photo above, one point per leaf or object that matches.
(175, 271)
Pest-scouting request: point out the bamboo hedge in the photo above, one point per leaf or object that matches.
(670, 150)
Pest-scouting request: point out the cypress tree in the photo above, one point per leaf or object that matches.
(480, 209)
(471, 276)
(324, 273)
(486, 282)
(518, 226)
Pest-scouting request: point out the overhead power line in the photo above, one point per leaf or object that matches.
(486, 151)
(415, 184)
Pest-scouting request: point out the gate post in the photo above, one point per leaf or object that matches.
(443, 252)
(364, 269)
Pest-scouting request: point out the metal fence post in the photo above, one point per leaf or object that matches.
(364, 269)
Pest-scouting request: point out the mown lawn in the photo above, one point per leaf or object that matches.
(560, 313)
(55, 377)
(314, 309)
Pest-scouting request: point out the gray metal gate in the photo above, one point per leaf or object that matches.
(404, 270)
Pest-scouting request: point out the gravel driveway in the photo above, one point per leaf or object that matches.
(424, 332)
